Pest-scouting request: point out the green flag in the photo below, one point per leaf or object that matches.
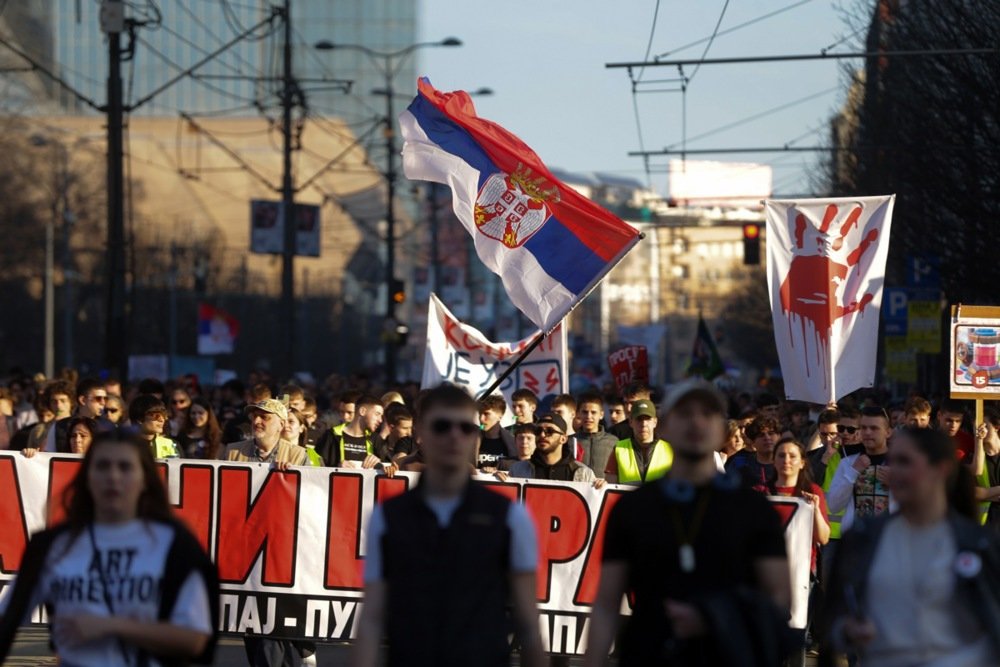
(705, 360)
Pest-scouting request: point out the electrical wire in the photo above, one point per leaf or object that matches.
(649, 42)
(182, 4)
(735, 28)
(711, 40)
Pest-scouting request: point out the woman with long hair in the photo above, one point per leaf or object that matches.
(921, 586)
(201, 435)
(793, 479)
(295, 428)
(79, 434)
(124, 582)
(734, 440)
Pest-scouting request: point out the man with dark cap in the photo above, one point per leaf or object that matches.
(642, 457)
(550, 461)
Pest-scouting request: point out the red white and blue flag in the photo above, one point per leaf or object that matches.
(550, 245)
(217, 330)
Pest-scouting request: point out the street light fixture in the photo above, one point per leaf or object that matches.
(388, 64)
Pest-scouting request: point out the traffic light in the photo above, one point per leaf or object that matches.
(398, 291)
(751, 244)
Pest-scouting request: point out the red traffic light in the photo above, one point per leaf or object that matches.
(751, 231)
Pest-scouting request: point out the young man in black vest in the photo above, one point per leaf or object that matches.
(445, 559)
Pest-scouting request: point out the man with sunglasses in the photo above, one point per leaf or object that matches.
(550, 460)
(446, 558)
(91, 399)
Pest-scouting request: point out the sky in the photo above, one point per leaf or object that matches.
(545, 61)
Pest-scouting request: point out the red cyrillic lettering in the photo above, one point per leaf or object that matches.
(343, 533)
(195, 500)
(266, 524)
(61, 474)
(14, 536)
(586, 589)
(563, 521)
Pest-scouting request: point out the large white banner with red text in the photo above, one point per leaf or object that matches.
(290, 546)
(461, 354)
(825, 272)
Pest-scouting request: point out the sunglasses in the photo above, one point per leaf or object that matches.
(442, 426)
(549, 431)
(850, 430)
(112, 411)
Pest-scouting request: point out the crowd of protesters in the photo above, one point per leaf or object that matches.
(856, 463)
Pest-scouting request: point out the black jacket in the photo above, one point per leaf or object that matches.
(979, 592)
(184, 557)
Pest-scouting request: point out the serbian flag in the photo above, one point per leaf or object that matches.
(549, 245)
(217, 330)
(825, 272)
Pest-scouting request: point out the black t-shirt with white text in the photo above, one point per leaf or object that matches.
(355, 447)
(491, 450)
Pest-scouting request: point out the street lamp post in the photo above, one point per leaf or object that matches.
(388, 64)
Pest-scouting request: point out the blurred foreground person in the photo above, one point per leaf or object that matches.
(124, 582)
(445, 559)
(703, 557)
(921, 586)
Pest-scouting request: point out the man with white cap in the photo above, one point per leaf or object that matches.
(267, 419)
(696, 551)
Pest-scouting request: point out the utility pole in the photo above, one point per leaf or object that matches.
(432, 196)
(116, 352)
(287, 204)
(390, 237)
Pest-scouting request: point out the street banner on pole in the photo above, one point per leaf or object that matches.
(549, 244)
(462, 355)
(290, 546)
(825, 272)
(975, 352)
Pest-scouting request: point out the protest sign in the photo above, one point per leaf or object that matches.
(462, 355)
(290, 545)
(975, 347)
(825, 272)
(629, 364)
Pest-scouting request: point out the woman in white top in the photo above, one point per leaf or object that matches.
(920, 587)
(123, 582)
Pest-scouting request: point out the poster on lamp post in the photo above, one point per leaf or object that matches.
(975, 352)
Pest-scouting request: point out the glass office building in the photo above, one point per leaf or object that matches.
(244, 76)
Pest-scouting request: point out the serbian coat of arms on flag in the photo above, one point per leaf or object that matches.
(549, 244)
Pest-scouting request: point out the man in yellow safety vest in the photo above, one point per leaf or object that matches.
(641, 458)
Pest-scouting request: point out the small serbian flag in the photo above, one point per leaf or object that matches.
(550, 245)
(217, 330)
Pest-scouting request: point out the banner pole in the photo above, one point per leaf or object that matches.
(510, 369)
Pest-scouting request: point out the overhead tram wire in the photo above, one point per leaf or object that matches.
(649, 42)
(183, 4)
(711, 40)
(808, 56)
(735, 28)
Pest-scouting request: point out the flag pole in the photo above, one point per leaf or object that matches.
(517, 362)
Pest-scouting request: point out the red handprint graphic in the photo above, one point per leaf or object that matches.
(823, 282)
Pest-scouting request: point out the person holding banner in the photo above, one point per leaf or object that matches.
(445, 559)
(550, 460)
(921, 586)
(703, 558)
(597, 444)
(124, 582)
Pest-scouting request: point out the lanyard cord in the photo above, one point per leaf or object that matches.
(689, 535)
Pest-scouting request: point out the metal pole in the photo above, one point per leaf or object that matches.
(69, 273)
(390, 232)
(287, 205)
(116, 351)
(172, 318)
(50, 308)
(435, 256)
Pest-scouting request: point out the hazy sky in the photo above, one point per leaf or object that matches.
(545, 60)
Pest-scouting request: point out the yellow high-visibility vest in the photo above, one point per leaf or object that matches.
(983, 480)
(628, 468)
(338, 431)
(831, 470)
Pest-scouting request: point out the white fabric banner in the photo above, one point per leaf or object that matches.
(825, 273)
(462, 355)
(290, 546)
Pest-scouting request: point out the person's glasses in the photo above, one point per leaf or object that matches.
(829, 435)
(442, 426)
(179, 401)
(849, 430)
(549, 431)
(100, 399)
(156, 416)
(112, 411)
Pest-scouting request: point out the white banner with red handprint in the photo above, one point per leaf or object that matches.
(825, 273)
(460, 354)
